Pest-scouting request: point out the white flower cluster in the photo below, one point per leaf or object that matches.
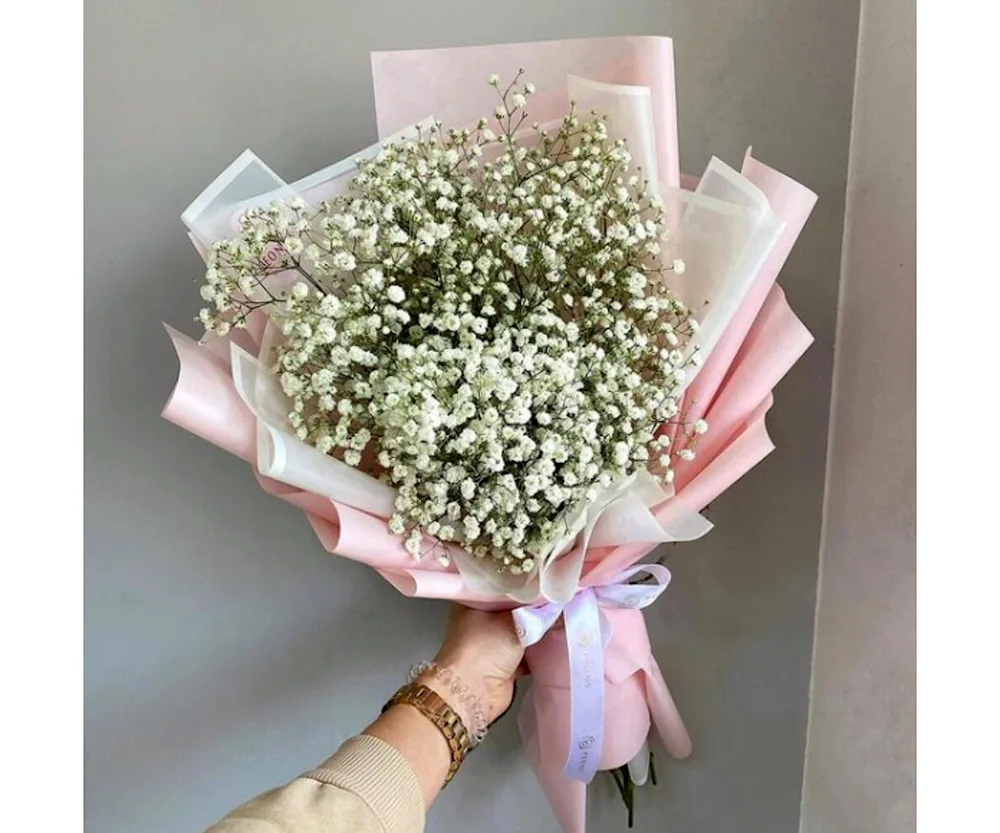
(481, 321)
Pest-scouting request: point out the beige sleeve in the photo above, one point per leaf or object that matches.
(366, 787)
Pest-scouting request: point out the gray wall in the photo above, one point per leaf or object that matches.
(861, 754)
(225, 651)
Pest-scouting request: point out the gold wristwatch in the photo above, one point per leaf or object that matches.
(432, 706)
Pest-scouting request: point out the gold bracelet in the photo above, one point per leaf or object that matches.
(432, 706)
(474, 707)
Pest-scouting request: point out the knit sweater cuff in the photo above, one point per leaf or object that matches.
(381, 777)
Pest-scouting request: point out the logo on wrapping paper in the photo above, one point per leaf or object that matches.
(585, 639)
(272, 254)
(519, 631)
(588, 742)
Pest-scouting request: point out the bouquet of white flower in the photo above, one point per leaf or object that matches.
(481, 320)
(480, 355)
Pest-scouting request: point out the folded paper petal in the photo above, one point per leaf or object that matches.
(775, 342)
(205, 402)
(726, 232)
(665, 714)
(792, 203)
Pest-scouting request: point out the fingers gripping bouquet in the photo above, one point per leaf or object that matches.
(502, 358)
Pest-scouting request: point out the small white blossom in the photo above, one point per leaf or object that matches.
(344, 260)
(414, 544)
(519, 254)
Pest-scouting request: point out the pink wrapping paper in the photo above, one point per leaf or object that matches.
(448, 83)
(732, 392)
(636, 696)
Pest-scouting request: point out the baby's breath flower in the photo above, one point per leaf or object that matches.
(482, 320)
(414, 544)
(344, 260)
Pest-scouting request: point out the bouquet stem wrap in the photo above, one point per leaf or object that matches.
(588, 633)
(634, 697)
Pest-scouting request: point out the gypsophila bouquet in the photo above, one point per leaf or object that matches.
(482, 320)
(478, 356)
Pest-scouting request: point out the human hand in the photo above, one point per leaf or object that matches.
(484, 652)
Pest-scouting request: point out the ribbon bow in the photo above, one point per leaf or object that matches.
(587, 634)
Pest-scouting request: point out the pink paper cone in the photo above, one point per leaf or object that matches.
(635, 695)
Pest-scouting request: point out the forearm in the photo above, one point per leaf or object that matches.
(380, 782)
(383, 780)
(366, 786)
(420, 742)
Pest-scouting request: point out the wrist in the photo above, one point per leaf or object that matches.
(474, 697)
(421, 740)
(462, 706)
(493, 693)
